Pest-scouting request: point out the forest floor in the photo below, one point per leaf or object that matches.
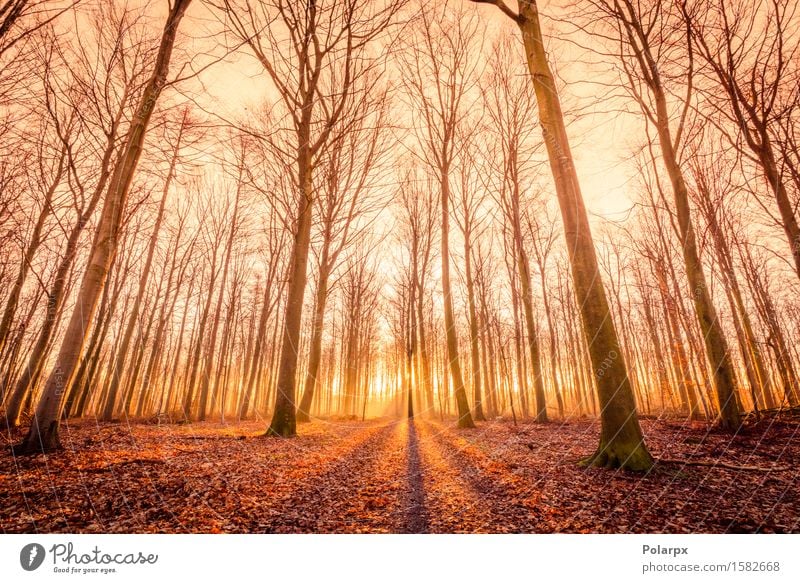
(392, 476)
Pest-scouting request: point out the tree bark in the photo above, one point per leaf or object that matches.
(315, 352)
(284, 422)
(473, 330)
(621, 441)
(454, 363)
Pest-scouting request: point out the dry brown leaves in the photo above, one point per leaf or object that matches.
(385, 476)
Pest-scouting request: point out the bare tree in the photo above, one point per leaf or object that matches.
(621, 441)
(645, 31)
(752, 51)
(508, 100)
(133, 317)
(348, 202)
(314, 53)
(101, 87)
(43, 434)
(471, 217)
(20, 19)
(438, 79)
(713, 189)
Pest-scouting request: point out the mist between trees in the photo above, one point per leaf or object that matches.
(284, 209)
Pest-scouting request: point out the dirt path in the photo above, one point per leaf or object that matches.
(410, 478)
(471, 492)
(416, 518)
(379, 486)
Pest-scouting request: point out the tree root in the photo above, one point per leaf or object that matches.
(24, 448)
(284, 434)
(607, 457)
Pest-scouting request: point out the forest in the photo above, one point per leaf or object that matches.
(399, 266)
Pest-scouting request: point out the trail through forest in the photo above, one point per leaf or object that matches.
(400, 477)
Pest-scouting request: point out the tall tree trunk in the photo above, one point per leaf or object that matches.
(775, 340)
(43, 433)
(621, 442)
(315, 351)
(454, 363)
(716, 346)
(751, 352)
(283, 422)
(200, 343)
(30, 251)
(411, 348)
(519, 355)
(426, 382)
(223, 370)
(473, 331)
(55, 301)
(80, 386)
(660, 365)
(523, 269)
(157, 318)
(256, 357)
(490, 363)
(554, 356)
